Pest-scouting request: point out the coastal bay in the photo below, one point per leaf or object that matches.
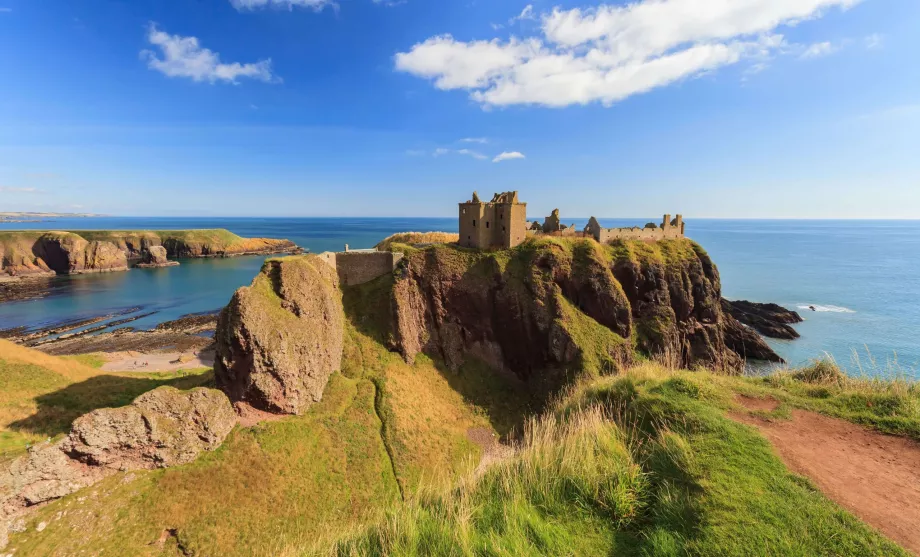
(843, 268)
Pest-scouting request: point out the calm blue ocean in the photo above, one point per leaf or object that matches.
(862, 276)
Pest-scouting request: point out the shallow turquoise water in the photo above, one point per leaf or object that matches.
(863, 275)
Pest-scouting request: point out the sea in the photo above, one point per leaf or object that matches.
(861, 277)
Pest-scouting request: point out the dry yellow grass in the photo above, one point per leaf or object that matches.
(418, 238)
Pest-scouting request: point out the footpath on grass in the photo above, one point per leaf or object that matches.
(873, 475)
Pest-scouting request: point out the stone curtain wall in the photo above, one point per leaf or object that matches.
(358, 268)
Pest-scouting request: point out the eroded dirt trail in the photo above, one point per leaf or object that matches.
(874, 476)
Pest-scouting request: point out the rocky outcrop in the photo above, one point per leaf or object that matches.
(31, 254)
(770, 320)
(745, 342)
(69, 254)
(508, 308)
(161, 428)
(526, 316)
(155, 256)
(280, 338)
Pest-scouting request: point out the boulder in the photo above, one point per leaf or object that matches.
(161, 428)
(280, 339)
(155, 255)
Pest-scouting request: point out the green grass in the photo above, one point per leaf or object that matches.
(94, 360)
(641, 464)
(888, 404)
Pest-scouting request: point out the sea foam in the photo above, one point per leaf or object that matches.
(833, 309)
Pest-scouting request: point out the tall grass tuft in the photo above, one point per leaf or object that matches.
(566, 483)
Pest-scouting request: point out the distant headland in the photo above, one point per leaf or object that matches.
(24, 216)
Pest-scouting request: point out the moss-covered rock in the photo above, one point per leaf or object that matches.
(280, 338)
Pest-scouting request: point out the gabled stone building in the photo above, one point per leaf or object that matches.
(500, 223)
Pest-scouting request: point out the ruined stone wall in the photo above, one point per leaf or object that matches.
(473, 232)
(360, 267)
(668, 230)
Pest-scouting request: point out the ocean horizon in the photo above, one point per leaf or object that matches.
(859, 275)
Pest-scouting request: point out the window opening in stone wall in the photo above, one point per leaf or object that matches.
(487, 224)
(474, 223)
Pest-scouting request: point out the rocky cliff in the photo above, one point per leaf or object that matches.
(24, 254)
(558, 304)
(280, 339)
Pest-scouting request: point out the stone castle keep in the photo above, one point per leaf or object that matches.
(502, 223)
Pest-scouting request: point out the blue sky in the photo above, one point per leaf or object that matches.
(750, 108)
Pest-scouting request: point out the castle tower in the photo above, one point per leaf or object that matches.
(500, 223)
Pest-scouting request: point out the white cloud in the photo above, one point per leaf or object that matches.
(289, 4)
(526, 13)
(441, 151)
(507, 156)
(184, 57)
(471, 153)
(817, 50)
(480, 140)
(11, 189)
(609, 53)
(874, 41)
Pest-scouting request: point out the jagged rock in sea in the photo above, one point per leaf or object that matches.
(770, 320)
(280, 339)
(161, 428)
(747, 343)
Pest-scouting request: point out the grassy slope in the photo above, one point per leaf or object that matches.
(40, 395)
(286, 483)
(641, 464)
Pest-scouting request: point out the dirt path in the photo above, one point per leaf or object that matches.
(874, 476)
(166, 361)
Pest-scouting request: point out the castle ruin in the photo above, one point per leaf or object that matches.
(500, 223)
(669, 229)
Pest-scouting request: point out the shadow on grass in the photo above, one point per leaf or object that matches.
(58, 409)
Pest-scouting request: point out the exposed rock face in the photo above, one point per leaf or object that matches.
(453, 302)
(770, 320)
(518, 317)
(31, 254)
(747, 343)
(164, 427)
(280, 338)
(156, 255)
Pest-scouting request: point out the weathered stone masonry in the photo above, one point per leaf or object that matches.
(500, 223)
(358, 267)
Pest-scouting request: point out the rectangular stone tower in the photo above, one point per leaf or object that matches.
(500, 223)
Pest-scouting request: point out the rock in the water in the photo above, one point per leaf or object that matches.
(161, 428)
(770, 320)
(280, 339)
(746, 342)
(155, 256)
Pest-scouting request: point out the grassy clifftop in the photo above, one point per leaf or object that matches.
(24, 253)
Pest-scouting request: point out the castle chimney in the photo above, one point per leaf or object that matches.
(667, 221)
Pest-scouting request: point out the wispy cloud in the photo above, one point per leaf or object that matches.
(471, 153)
(818, 50)
(508, 155)
(6, 10)
(611, 52)
(185, 57)
(11, 189)
(480, 140)
(526, 13)
(317, 5)
(873, 41)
